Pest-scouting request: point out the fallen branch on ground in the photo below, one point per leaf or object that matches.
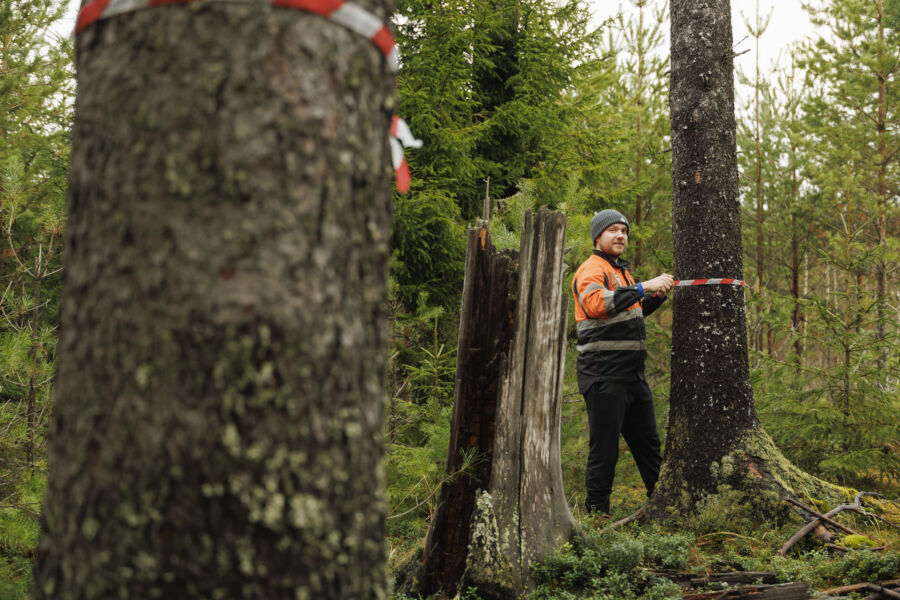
(784, 591)
(820, 519)
(624, 521)
(696, 580)
(881, 592)
(856, 587)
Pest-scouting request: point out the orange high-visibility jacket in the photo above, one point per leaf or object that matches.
(609, 319)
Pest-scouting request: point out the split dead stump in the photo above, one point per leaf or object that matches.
(509, 511)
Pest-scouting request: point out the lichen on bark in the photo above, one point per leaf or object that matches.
(488, 568)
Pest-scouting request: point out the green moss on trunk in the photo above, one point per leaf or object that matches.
(749, 484)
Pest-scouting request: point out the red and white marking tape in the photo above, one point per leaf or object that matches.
(401, 137)
(346, 14)
(721, 281)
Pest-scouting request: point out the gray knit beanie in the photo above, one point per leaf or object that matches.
(604, 219)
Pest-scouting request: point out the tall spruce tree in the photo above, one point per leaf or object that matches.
(482, 83)
(490, 87)
(714, 437)
(643, 95)
(219, 406)
(795, 210)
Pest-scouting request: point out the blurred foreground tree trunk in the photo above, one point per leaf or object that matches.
(219, 403)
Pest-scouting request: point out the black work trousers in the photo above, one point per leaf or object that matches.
(616, 407)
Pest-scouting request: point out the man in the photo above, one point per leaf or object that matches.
(609, 314)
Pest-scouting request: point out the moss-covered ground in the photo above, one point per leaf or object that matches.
(730, 533)
(630, 562)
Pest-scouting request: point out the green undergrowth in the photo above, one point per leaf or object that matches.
(19, 531)
(728, 532)
(616, 566)
(632, 563)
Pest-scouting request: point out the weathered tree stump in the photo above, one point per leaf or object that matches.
(491, 524)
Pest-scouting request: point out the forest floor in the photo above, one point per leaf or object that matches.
(639, 561)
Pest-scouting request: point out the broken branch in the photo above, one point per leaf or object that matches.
(824, 518)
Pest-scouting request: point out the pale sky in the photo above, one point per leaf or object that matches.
(788, 24)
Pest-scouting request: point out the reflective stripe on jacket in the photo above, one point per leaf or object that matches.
(609, 319)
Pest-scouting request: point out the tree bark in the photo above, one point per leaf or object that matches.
(710, 389)
(713, 435)
(218, 420)
(486, 325)
(533, 516)
(511, 511)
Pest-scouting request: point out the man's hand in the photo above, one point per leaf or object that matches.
(659, 285)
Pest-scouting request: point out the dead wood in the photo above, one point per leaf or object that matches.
(822, 517)
(882, 592)
(816, 524)
(735, 578)
(784, 591)
(625, 521)
(511, 511)
(857, 506)
(693, 580)
(485, 331)
(856, 587)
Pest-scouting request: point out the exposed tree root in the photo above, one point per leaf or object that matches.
(755, 479)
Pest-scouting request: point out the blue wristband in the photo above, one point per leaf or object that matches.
(641, 289)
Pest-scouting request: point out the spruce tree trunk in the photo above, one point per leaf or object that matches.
(219, 397)
(710, 375)
(711, 402)
(713, 436)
